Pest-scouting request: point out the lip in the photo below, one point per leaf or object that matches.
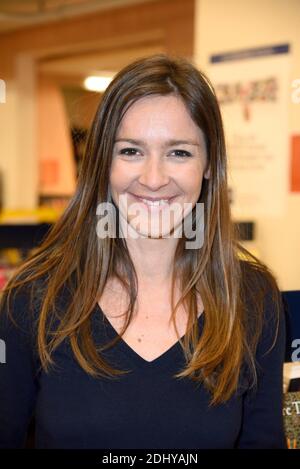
(152, 199)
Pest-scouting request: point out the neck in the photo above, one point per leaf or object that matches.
(153, 259)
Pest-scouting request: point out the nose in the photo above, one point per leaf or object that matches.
(153, 173)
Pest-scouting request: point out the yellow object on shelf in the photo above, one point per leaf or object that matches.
(12, 256)
(22, 216)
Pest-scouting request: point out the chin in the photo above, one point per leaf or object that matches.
(146, 233)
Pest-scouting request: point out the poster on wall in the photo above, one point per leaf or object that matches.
(253, 89)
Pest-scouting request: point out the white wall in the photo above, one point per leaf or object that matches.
(18, 155)
(28, 134)
(231, 25)
(8, 142)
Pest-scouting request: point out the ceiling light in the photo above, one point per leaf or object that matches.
(97, 83)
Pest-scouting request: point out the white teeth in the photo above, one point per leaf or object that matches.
(155, 203)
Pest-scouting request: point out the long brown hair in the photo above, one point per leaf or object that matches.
(233, 290)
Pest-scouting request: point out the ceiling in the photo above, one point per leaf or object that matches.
(19, 14)
(81, 65)
(71, 67)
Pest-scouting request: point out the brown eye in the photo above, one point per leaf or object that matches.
(183, 153)
(128, 151)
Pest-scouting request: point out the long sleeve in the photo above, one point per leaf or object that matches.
(262, 425)
(17, 374)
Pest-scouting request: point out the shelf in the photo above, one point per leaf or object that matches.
(24, 236)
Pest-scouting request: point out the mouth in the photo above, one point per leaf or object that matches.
(153, 202)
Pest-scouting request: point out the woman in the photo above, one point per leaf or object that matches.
(128, 336)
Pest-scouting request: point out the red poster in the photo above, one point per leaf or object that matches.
(295, 164)
(49, 174)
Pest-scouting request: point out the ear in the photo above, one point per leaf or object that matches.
(207, 173)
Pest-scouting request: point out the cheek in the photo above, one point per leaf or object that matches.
(191, 180)
(119, 178)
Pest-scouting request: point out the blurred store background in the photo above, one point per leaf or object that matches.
(57, 55)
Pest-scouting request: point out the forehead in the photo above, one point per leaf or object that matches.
(159, 115)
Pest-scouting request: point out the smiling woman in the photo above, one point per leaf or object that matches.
(160, 172)
(138, 339)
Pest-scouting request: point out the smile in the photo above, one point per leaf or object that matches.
(153, 202)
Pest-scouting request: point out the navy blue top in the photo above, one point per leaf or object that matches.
(146, 408)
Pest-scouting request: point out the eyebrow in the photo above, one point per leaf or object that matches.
(169, 143)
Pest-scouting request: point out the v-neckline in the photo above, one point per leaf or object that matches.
(134, 356)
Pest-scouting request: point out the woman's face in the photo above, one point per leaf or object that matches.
(160, 156)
